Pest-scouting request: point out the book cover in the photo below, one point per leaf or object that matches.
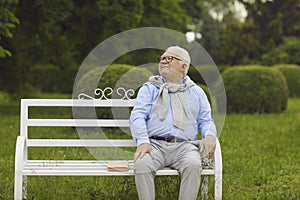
(117, 166)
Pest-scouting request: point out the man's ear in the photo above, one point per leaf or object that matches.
(183, 67)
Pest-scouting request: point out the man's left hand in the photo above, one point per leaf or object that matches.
(208, 146)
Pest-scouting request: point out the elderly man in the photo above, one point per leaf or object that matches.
(164, 123)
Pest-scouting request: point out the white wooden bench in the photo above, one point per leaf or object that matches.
(25, 167)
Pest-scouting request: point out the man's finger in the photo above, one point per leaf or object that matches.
(209, 155)
(151, 154)
(142, 155)
(137, 155)
(201, 148)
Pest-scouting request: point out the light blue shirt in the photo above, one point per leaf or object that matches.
(144, 120)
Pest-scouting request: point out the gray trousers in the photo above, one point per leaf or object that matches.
(182, 156)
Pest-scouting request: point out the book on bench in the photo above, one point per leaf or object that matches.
(117, 166)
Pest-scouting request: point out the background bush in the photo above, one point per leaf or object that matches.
(44, 77)
(50, 78)
(114, 76)
(194, 73)
(287, 52)
(292, 76)
(252, 89)
(209, 72)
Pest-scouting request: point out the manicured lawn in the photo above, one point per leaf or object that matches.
(261, 155)
(260, 161)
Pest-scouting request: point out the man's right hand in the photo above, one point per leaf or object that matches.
(142, 150)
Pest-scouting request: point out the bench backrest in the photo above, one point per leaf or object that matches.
(27, 121)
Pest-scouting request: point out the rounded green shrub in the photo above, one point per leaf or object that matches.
(201, 74)
(113, 76)
(292, 77)
(152, 68)
(255, 89)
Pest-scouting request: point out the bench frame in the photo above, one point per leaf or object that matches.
(25, 167)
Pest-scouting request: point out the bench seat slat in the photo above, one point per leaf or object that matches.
(79, 143)
(78, 103)
(78, 122)
(84, 168)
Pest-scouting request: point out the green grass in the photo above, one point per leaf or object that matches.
(260, 160)
(261, 155)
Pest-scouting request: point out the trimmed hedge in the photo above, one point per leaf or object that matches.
(209, 72)
(50, 78)
(114, 76)
(255, 89)
(292, 76)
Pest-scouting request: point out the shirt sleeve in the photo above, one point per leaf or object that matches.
(205, 121)
(139, 115)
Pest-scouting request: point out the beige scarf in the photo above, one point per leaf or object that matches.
(178, 104)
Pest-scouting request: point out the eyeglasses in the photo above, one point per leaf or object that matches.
(168, 59)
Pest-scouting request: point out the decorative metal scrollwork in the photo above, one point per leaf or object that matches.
(102, 94)
(208, 164)
(125, 94)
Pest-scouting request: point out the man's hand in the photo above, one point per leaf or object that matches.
(208, 146)
(142, 150)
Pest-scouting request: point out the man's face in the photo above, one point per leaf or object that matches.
(171, 67)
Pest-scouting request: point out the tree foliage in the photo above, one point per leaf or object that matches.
(287, 52)
(94, 21)
(168, 14)
(266, 26)
(41, 38)
(8, 21)
(61, 33)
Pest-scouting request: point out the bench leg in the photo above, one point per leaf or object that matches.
(218, 186)
(24, 188)
(20, 187)
(204, 187)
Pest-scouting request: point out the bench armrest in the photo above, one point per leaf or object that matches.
(218, 157)
(20, 154)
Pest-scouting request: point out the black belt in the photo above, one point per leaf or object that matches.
(168, 139)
